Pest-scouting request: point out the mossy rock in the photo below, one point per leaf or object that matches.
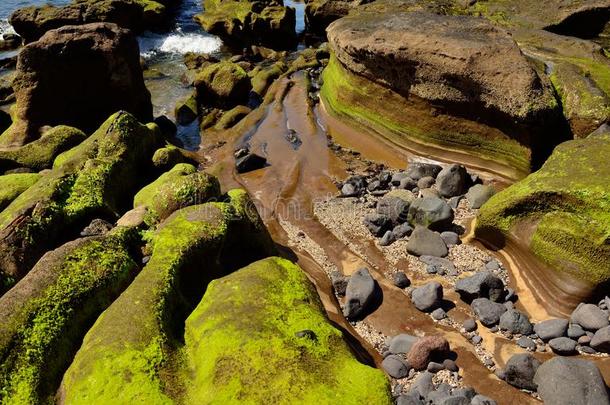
(186, 110)
(566, 205)
(95, 179)
(12, 185)
(131, 353)
(263, 77)
(167, 157)
(45, 316)
(41, 153)
(243, 22)
(241, 344)
(180, 187)
(223, 84)
(232, 117)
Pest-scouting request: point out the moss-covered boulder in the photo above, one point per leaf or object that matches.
(561, 212)
(320, 13)
(32, 22)
(12, 185)
(131, 353)
(262, 77)
(45, 316)
(95, 179)
(180, 187)
(462, 90)
(77, 76)
(244, 22)
(41, 153)
(243, 344)
(223, 84)
(168, 156)
(186, 110)
(232, 117)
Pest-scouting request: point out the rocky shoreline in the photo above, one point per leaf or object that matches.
(407, 203)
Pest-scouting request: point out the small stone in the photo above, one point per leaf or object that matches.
(426, 182)
(590, 317)
(488, 312)
(478, 195)
(427, 297)
(426, 349)
(467, 392)
(431, 212)
(423, 384)
(426, 242)
(476, 339)
(145, 259)
(395, 208)
(398, 177)
(96, 227)
(563, 346)
(250, 162)
(588, 350)
(438, 314)
(520, 370)
(401, 344)
(482, 400)
(454, 202)
(434, 367)
(409, 399)
(395, 366)
(483, 284)
(450, 238)
(432, 269)
(402, 231)
(359, 294)
(308, 334)
(439, 262)
(515, 322)
(450, 365)
(418, 170)
(584, 340)
(492, 265)
(601, 340)
(575, 331)
(401, 280)
(551, 329)
(488, 362)
(377, 224)
(526, 343)
(407, 184)
(387, 239)
(469, 325)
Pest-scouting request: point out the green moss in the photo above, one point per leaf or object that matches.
(12, 185)
(95, 178)
(167, 157)
(385, 112)
(223, 84)
(186, 110)
(244, 350)
(53, 310)
(232, 117)
(39, 155)
(263, 77)
(130, 353)
(568, 201)
(180, 187)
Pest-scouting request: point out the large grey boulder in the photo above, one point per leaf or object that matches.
(484, 284)
(395, 366)
(394, 208)
(478, 195)
(563, 346)
(427, 297)
(431, 212)
(417, 170)
(568, 381)
(402, 343)
(520, 371)
(359, 294)
(551, 329)
(487, 311)
(424, 242)
(590, 317)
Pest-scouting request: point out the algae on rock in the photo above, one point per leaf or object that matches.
(12, 185)
(566, 204)
(95, 179)
(193, 246)
(242, 344)
(45, 316)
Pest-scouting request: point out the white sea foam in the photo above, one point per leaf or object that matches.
(5, 27)
(178, 43)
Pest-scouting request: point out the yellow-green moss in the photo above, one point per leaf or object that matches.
(40, 337)
(242, 348)
(39, 155)
(568, 202)
(232, 117)
(167, 157)
(263, 77)
(130, 353)
(373, 106)
(180, 187)
(12, 185)
(223, 84)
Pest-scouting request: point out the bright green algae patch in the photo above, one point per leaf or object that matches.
(131, 353)
(180, 187)
(355, 98)
(96, 178)
(241, 345)
(12, 185)
(568, 200)
(45, 316)
(41, 153)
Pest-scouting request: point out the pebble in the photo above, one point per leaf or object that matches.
(434, 367)
(551, 328)
(395, 366)
(450, 365)
(401, 280)
(439, 314)
(520, 370)
(563, 346)
(469, 325)
(450, 238)
(575, 331)
(477, 339)
(387, 239)
(526, 343)
(427, 297)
